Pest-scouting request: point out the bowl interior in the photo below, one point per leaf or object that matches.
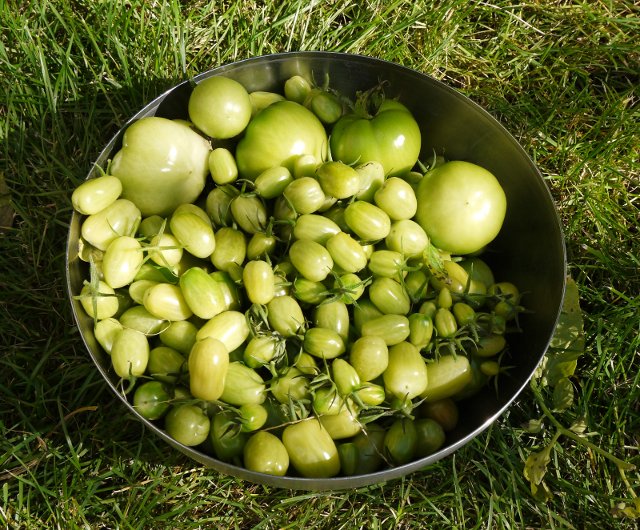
(529, 250)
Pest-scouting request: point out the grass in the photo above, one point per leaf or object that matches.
(563, 76)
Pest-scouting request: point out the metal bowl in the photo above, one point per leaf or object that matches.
(529, 250)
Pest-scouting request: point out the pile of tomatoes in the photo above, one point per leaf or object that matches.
(280, 281)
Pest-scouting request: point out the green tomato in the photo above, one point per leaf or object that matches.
(231, 248)
(311, 259)
(106, 331)
(461, 207)
(346, 252)
(272, 182)
(277, 135)
(220, 107)
(253, 416)
(265, 453)
(250, 213)
(165, 364)
(315, 227)
(229, 327)
(130, 353)
(338, 180)
(397, 198)
(311, 449)
(243, 385)
(335, 316)
(165, 301)
(345, 376)
(406, 374)
(408, 237)
(430, 436)
(179, 335)
(285, 316)
(227, 437)
(400, 441)
(164, 156)
(304, 195)
(292, 385)
(120, 218)
(389, 296)
(446, 376)
(444, 411)
(367, 220)
(391, 136)
(208, 366)
(222, 166)
(258, 280)
(203, 294)
(323, 343)
(187, 424)
(99, 303)
(344, 424)
(137, 317)
(369, 356)
(96, 194)
(151, 400)
(391, 328)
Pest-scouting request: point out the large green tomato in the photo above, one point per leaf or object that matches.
(162, 164)
(277, 136)
(391, 137)
(461, 207)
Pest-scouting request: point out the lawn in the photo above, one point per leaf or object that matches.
(561, 75)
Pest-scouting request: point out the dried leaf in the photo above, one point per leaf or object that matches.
(541, 492)
(579, 426)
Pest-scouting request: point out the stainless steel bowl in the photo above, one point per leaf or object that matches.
(529, 250)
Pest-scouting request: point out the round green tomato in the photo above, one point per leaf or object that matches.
(400, 441)
(391, 137)
(187, 424)
(265, 453)
(431, 436)
(151, 400)
(277, 135)
(220, 107)
(461, 207)
(164, 156)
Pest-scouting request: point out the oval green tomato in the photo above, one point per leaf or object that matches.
(137, 317)
(165, 364)
(258, 281)
(187, 424)
(120, 218)
(231, 248)
(338, 180)
(461, 207)
(315, 227)
(304, 195)
(323, 343)
(397, 198)
(367, 220)
(407, 237)
(179, 335)
(406, 374)
(277, 135)
(250, 213)
(164, 156)
(285, 316)
(344, 424)
(208, 364)
(220, 107)
(227, 438)
(203, 294)
(229, 327)
(389, 296)
(430, 436)
(243, 385)
(165, 300)
(265, 453)
(369, 356)
(446, 376)
(335, 316)
(194, 233)
(346, 252)
(105, 332)
(151, 400)
(272, 182)
(130, 353)
(391, 137)
(96, 194)
(100, 302)
(400, 441)
(311, 449)
(311, 259)
(292, 385)
(393, 329)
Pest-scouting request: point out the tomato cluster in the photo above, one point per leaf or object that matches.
(292, 313)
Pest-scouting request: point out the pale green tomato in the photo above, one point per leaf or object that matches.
(164, 156)
(220, 107)
(96, 194)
